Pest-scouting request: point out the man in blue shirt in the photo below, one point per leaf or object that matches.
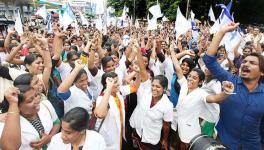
(240, 113)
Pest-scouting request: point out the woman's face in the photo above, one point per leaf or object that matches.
(30, 105)
(68, 135)
(246, 52)
(221, 52)
(193, 80)
(82, 82)
(185, 68)
(157, 89)
(66, 47)
(37, 66)
(72, 60)
(116, 60)
(116, 85)
(110, 66)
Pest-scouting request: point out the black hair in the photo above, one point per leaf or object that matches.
(78, 76)
(71, 54)
(105, 60)
(74, 48)
(106, 75)
(23, 79)
(115, 53)
(190, 63)
(23, 89)
(78, 118)
(29, 59)
(200, 73)
(162, 80)
(260, 59)
(220, 47)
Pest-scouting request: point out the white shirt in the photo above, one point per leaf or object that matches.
(148, 121)
(93, 141)
(95, 82)
(64, 70)
(47, 115)
(78, 98)
(111, 127)
(189, 109)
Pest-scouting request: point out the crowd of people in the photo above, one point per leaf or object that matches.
(130, 88)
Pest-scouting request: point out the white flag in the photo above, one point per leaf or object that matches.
(99, 24)
(137, 24)
(182, 25)
(152, 24)
(83, 19)
(211, 14)
(18, 24)
(68, 17)
(155, 11)
(164, 18)
(192, 15)
(124, 13)
(60, 18)
(42, 11)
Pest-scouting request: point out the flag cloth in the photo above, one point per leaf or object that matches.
(137, 24)
(211, 14)
(192, 15)
(231, 38)
(42, 11)
(83, 19)
(182, 25)
(195, 31)
(18, 24)
(68, 17)
(155, 11)
(164, 18)
(152, 23)
(225, 17)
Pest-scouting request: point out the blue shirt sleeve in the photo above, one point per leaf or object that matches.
(64, 96)
(217, 71)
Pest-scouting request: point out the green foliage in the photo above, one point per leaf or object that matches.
(168, 7)
(245, 11)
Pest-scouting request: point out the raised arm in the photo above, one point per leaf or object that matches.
(11, 136)
(44, 52)
(11, 57)
(102, 109)
(212, 50)
(176, 63)
(228, 88)
(68, 81)
(140, 62)
(8, 39)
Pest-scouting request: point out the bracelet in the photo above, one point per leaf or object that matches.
(229, 93)
(13, 112)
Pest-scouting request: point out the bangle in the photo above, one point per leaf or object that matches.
(13, 112)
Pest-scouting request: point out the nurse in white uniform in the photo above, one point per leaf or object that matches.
(74, 134)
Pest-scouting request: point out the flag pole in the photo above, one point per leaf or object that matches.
(188, 8)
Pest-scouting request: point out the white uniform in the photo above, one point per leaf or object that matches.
(93, 141)
(148, 121)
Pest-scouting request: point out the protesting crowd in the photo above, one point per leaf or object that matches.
(130, 88)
